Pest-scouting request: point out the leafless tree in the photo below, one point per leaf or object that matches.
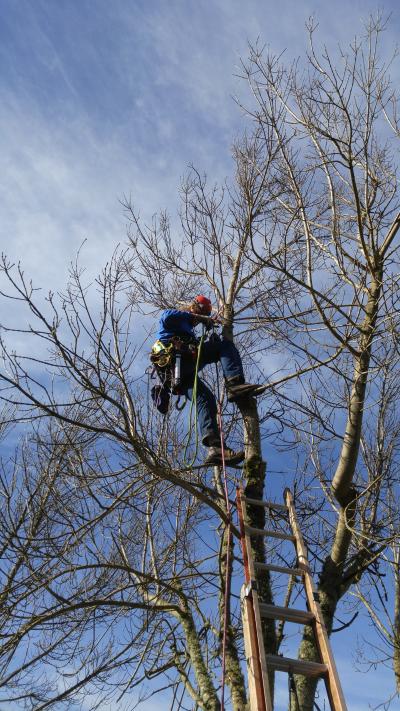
(113, 584)
(379, 590)
(329, 229)
(122, 545)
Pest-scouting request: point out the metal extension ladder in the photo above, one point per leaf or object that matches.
(253, 611)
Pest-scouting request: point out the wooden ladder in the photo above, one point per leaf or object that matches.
(253, 611)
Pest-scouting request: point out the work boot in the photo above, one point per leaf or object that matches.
(235, 390)
(214, 456)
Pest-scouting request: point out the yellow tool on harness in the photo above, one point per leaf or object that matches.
(162, 355)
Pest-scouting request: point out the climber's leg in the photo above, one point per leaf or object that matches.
(208, 427)
(224, 351)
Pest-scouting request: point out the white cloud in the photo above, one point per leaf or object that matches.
(152, 97)
(119, 102)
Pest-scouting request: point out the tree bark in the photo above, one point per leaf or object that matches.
(254, 474)
(233, 672)
(210, 700)
(396, 631)
(330, 586)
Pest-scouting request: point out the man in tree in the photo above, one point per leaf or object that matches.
(176, 333)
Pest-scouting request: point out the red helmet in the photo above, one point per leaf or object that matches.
(204, 303)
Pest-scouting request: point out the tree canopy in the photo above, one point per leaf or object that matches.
(114, 540)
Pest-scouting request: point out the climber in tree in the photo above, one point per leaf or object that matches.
(176, 335)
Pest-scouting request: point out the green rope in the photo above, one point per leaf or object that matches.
(192, 424)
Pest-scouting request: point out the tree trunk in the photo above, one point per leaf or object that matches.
(233, 671)
(210, 700)
(351, 441)
(396, 631)
(254, 472)
(331, 578)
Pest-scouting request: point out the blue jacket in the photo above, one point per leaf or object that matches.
(176, 323)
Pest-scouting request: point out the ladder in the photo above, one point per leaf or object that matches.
(253, 611)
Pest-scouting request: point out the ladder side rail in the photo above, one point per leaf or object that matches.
(254, 672)
(332, 681)
(253, 610)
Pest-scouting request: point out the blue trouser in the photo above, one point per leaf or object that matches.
(218, 350)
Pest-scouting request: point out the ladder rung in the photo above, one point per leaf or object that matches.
(266, 504)
(296, 666)
(290, 614)
(279, 569)
(270, 534)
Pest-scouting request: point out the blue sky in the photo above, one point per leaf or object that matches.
(104, 99)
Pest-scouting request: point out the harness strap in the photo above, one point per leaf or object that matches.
(162, 355)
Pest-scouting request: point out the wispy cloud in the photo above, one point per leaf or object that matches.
(98, 104)
(105, 99)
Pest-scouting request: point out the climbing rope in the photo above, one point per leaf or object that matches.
(192, 423)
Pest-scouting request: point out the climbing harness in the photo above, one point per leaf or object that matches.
(165, 356)
(167, 363)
